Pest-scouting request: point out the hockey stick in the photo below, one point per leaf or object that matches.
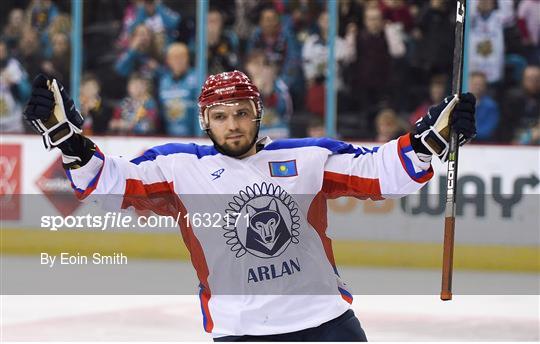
(450, 212)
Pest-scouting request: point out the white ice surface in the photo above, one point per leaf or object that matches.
(178, 318)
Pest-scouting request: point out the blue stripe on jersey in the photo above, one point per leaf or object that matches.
(335, 146)
(174, 148)
(346, 293)
(409, 166)
(205, 318)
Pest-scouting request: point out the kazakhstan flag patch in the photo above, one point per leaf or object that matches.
(283, 168)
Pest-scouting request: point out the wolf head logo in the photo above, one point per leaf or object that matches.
(261, 220)
(267, 231)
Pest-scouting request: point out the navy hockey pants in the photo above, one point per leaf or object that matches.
(345, 328)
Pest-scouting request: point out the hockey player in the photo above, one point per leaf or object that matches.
(268, 273)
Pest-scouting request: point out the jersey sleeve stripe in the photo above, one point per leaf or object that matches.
(404, 152)
(75, 188)
(83, 193)
(337, 184)
(99, 154)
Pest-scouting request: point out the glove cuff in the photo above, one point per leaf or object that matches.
(418, 146)
(77, 150)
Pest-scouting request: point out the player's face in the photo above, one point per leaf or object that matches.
(233, 127)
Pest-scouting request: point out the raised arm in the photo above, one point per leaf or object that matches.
(389, 171)
(53, 114)
(401, 166)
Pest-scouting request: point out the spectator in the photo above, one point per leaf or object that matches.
(137, 113)
(244, 13)
(281, 49)
(14, 91)
(227, 8)
(30, 55)
(222, 45)
(369, 74)
(315, 52)
(41, 14)
(486, 52)
(528, 14)
(301, 18)
(275, 95)
(315, 56)
(397, 11)
(437, 91)
(177, 93)
(487, 110)
(96, 112)
(161, 20)
(350, 14)
(60, 24)
(521, 108)
(388, 125)
(58, 66)
(434, 54)
(130, 12)
(14, 28)
(142, 55)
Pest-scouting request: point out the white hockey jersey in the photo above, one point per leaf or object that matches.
(268, 267)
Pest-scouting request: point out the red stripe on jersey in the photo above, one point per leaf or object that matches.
(160, 198)
(317, 218)
(337, 185)
(157, 197)
(135, 187)
(404, 140)
(199, 263)
(347, 298)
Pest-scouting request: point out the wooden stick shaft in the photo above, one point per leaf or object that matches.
(450, 213)
(448, 255)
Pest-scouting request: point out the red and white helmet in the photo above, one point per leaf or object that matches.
(224, 87)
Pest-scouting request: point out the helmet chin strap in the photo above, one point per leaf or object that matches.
(223, 151)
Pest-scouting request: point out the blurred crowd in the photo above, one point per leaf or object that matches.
(394, 60)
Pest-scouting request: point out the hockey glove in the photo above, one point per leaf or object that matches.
(432, 132)
(51, 112)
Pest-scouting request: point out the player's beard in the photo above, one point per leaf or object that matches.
(231, 149)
